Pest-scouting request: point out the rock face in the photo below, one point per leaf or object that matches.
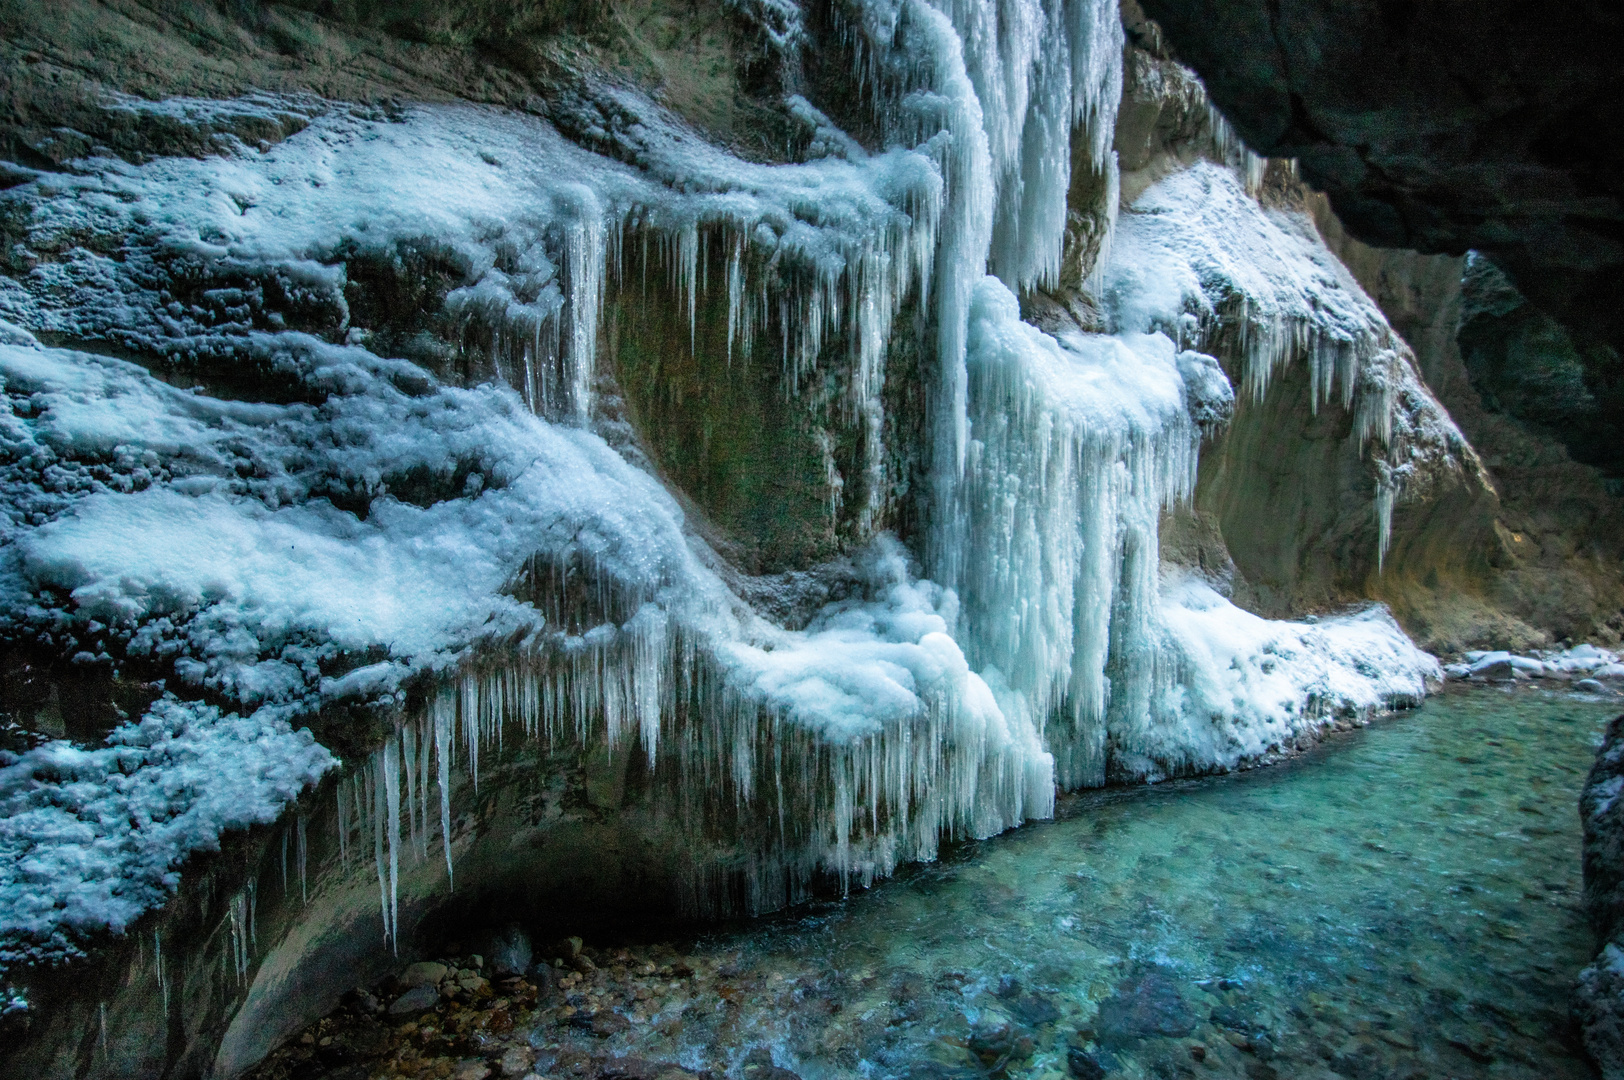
(1599, 996)
(600, 429)
(1292, 524)
(1542, 556)
(1442, 128)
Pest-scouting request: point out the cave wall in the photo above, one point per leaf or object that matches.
(1444, 127)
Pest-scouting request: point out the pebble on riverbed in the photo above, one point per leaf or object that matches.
(447, 1020)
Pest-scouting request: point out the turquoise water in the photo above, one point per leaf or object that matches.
(1401, 902)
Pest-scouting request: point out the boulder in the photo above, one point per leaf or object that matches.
(506, 952)
(1598, 1003)
(416, 1000)
(1598, 1007)
(426, 973)
(1499, 670)
(1504, 665)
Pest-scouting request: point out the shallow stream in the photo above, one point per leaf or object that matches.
(1401, 903)
(1404, 901)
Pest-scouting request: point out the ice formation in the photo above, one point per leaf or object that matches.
(1080, 443)
(369, 525)
(1199, 259)
(91, 839)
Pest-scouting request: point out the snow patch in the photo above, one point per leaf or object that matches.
(90, 839)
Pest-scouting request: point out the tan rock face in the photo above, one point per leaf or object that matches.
(1498, 538)
(1544, 558)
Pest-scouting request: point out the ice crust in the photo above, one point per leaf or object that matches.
(383, 527)
(1198, 258)
(1231, 686)
(91, 839)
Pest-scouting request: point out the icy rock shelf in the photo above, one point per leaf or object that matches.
(1033, 639)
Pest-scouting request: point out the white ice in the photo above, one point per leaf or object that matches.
(218, 536)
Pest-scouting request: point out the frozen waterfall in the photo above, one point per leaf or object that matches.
(548, 588)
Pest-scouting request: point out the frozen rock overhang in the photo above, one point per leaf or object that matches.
(288, 522)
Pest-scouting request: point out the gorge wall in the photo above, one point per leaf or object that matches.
(471, 462)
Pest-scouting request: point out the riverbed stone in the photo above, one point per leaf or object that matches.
(1145, 1006)
(424, 973)
(516, 1061)
(416, 1000)
(1084, 1065)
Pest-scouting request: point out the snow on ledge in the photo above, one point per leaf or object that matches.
(1235, 686)
(90, 839)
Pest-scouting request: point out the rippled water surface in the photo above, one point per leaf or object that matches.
(1402, 902)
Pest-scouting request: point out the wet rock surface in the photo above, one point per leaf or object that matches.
(559, 1017)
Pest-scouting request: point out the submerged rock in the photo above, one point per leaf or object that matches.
(1144, 1006)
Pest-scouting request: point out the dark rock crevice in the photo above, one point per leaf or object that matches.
(1445, 127)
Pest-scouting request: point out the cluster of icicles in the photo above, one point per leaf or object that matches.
(1045, 528)
(776, 801)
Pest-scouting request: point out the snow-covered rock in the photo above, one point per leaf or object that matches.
(307, 497)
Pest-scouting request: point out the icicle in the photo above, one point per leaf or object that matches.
(1230, 150)
(391, 787)
(408, 765)
(584, 255)
(443, 718)
(425, 752)
(304, 847)
(240, 921)
(1385, 497)
(377, 812)
(343, 818)
(163, 981)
